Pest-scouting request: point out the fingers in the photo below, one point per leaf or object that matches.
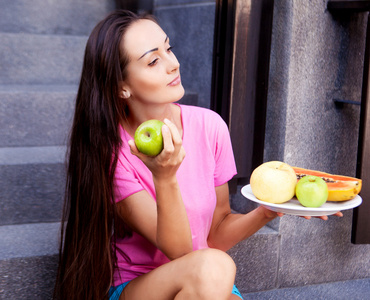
(325, 218)
(135, 151)
(270, 214)
(167, 139)
(320, 217)
(172, 141)
(133, 147)
(174, 131)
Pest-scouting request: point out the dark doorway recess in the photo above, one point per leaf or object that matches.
(240, 77)
(361, 214)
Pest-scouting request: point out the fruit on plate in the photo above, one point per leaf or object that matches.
(148, 137)
(340, 188)
(273, 182)
(311, 191)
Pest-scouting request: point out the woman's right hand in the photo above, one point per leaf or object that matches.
(172, 234)
(165, 164)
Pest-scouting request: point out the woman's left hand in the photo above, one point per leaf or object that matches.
(271, 214)
(338, 214)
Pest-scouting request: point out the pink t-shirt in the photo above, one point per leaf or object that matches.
(209, 162)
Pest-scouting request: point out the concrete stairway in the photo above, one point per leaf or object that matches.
(41, 50)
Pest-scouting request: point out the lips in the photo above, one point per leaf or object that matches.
(176, 81)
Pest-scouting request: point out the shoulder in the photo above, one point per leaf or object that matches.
(204, 122)
(202, 114)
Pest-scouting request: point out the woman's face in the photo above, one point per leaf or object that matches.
(153, 70)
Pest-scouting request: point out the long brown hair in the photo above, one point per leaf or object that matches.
(87, 257)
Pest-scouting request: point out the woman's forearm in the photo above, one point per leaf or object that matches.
(237, 227)
(173, 230)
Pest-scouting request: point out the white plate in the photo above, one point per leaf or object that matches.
(293, 207)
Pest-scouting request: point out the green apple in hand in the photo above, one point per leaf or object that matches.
(148, 137)
(311, 191)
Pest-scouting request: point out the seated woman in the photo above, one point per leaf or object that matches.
(141, 227)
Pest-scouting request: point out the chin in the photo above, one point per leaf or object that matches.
(180, 94)
(176, 96)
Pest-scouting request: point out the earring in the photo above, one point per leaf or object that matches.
(126, 94)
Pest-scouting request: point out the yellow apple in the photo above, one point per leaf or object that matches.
(273, 182)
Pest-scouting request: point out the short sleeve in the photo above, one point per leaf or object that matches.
(224, 157)
(125, 183)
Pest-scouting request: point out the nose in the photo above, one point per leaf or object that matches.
(173, 63)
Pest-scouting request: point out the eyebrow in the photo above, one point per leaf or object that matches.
(152, 50)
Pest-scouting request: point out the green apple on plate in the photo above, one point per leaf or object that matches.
(148, 137)
(311, 191)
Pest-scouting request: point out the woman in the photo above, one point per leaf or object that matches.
(146, 227)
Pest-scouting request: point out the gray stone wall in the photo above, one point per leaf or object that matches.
(316, 57)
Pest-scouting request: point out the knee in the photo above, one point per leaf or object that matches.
(216, 262)
(214, 274)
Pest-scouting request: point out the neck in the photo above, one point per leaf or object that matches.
(160, 112)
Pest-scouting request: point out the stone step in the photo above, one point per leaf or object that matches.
(35, 115)
(76, 17)
(41, 115)
(256, 259)
(29, 240)
(28, 260)
(40, 59)
(32, 183)
(355, 289)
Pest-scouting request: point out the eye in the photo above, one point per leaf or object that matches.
(169, 49)
(153, 62)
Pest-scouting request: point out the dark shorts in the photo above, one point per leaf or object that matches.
(116, 291)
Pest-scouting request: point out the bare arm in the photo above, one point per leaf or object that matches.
(164, 222)
(227, 228)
